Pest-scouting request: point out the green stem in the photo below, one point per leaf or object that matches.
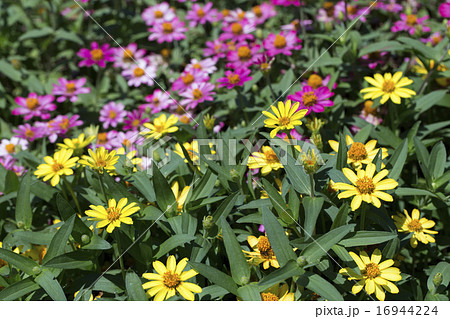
(118, 252)
(69, 187)
(311, 181)
(102, 187)
(363, 217)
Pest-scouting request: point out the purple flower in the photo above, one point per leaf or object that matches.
(34, 105)
(188, 78)
(244, 56)
(127, 139)
(28, 132)
(107, 140)
(207, 65)
(134, 120)
(263, 12)
(215, 48)
(283, 43)
(238, 31)
(97, 55)
(59, 126)
(234, 78)
(112, 114)
(390, 6)
(444, 10)
(158, 13)
(69, 89)
(201, 15)
(142, 73)
(286, 3)
(313, 100)
(197, 93)
(124, 58)
(158, 101)
(168, 31)
(410, 23)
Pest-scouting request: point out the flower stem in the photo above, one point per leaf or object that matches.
(363, 216)
(118, 252)
(102, 187)
(311, 181)
(69, 187)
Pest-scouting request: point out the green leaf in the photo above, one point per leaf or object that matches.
(51, 286)
(36, 33)
(215, 276)
(341, 217)
(24, 214)
(365, 237)
(443, 268)
(278, 203)
(7, 69)
(23, 263)
(381, 46)
(225, 207)
(141, 181)
(406, 191)
(277, 238)
(341, 160)
(417, 46)
(438, 158)
(74, 260)
(398, 160)
(320, 286)
(424, 103)
(18, 289)
(363, 134)
(134, 288)
(59, 241)
(313, 206)
(173, 242)
(423, 157)
(62, 34)
(240, 270)
(164, 195)
(291, 269)
(249, 292)
(97, 243)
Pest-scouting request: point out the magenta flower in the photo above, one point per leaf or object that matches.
(188, 78)
(215, 49)
(69, 89)
(374, 59)
(286, 3)
(444, 10)
(313, 100)
(158, 101)
(353, 12)
(283, 43)
(244, 56)
(97, 55)
(234, 78)
(434, 39)
(140, 73)
(134, 120)
(34, 106)
(201, 15)
(390, 6)
(238, 31)
(197, 93)
(158, 14)
(410, 23)
(263, 12)
(59, 126)
(129, 140)
(107, 140)
(112, 114)
(124, 58)
(168, 31)
(207, 65)
(28, 132)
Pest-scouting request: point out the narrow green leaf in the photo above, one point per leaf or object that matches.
(320, 286)
(97, 243)
(74, 260)
(425, 102)
(172, 243)
(164, 195)
(424, 158)
(225, 208)
(24, 214)
(398, 159)
(438, 158)
(141, 181)
(249, 293)
(51, 286)
(23, 263)
(313, 206)
(278, 203)
(36, 33)
(341, 217)
(134, 287)
(365, 237)
(341, 160)
(215, 276)
(59, 241)
(18, 289)
(291, 269)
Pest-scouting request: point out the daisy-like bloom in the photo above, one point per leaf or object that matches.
(180, 196)
(107, 140)
(171, 278)
(157, 102)
(315, 100)
(420, 68)
(410, 23)
(97, 55)
(366, 187)
(158, 13)
(277, 293)
(234, 78)
(160, 126)
(100, 160)
(285, 117)
(112, 114)
(28, 132)
(215, 48)
(263, 12)
(58, 165)
(388, 86)
(262, 252)
(267, 160)
(188, 78)
(375, 276)
(326, 13)
(128, 139)
(316, 81)
(207, 65)
(60, 125)
(434, 39)
(201, 15)
(12, 146)
(76, 144)
(353, 11)
(283, 43)
(124, 58)
(286, 3)
(192, 150)
(419, 227)
(168, 31)
(296, 25)
(243, 56)
(390, 6)
(113, 215)
(140, 73)
(196, 94)
(69, 89)
(134, 119)
(34, 106)
(359, 154)
(238, 15)
(131, 161)
(238, 32)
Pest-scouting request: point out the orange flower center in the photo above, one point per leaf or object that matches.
(135, 123)
(64, 124)
(200, 13)
(138, 72)
(171, 280)
(268, 296)
(371, 271)
(102, 138)
(128, 55)
(315, 81)
(185, 119)
(29, 133)
(414, 226)
(113, 213)
(279, 42)
(244, 53)
(197, 94)
(188, 79)
(264, 66)
(225, 12)
(167, 27)
(56, 167)
(10, 148)
(411, 20)
(197, 66)
(112, 114)
(97, 54)
(284, 120)
(388, 86)
(436, 39)
(236, 28)
(241, 15)
(368, 109)
(329, 8)
(234, 79)
(257, 11)
(156, 101)
(158, 14)
(357, 152)
(271, 157)
(32, 103)
(70, 87)
(264, 247)
(296, 24)
(365, 185)
(351, 9)
(309, 99)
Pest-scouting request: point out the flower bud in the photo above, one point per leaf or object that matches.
(208, 222)
(85, 239)
(36, 270)
(301, 261)
(209, 121)
(437, 279)
(234, 174)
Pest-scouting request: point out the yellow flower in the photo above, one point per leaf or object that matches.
(180, 196)
(100, 160)
(279, 184)
(56, 166)
(161, 125)
(359, 153)
(374, 275)
(277, 293)
(131, 159)
(389, 87)
(91, 298)
(77, 143)
(169, 279)
(267, 160)
(285, 118)
(416, 225)
(192, 149)
(263, 252)
(366, 187)
(421, 69)
(113, 215)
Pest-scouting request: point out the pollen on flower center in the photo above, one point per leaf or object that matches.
(171, 280)
(415, 226)
(411, 19)
(10, 148)
(315, 81)
(29, 133)
(263, 244)
(234, 79)
(135, 123)
(329, 8)
(97, 54)
(128, 55)
(113, 214)
(155, 101)
(167, 27)
(271, 157)
(32, 103)
(197, 94)
(102, 138)
(284, 120)
(197, 66)
(188, 79)
(112, 114)
(257, 11)
(372, 270)
(138, 72)
(158, 14)
(70, 87)
(279, 42)
(244, 53)
(388, 86)
(268, 296)
(357, 152)
(309, 99)
(365, 185)
(200, 13)
(56, 167)
(351, 10)
(236, 28)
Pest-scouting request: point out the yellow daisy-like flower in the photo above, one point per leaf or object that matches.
(91, 298)
(421, 69)
(58, 165)
(375, 276)
(100, 160)
(169, 279)
(180, 196)
(131, 160)
(267, 160)
(416, 225)
(160, 126)
(285, 118)
(277, 293)
(113, 215)
(76, 144)
(192, 149)
(366, 187)
(262, 252)
(359, 153)
(389, 87)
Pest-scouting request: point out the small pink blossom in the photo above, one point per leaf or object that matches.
(313, 100)
(124, 58)
(158, 14)
(140, 73)
(410, 23)
(263, 12)
(286, 3)
(69, 89)
(59, 126)
(201, 15)
(196, 94)
(28, 132)
(207, 65)
(444, 10)
(97, 55)
(157, 102)
(168, 31)
(34, 106)
(215, 48)
(112, 114)
(283, 43)
(238, 31)
(134, 120)
(234, 78)
(244, 55)
(188, 78)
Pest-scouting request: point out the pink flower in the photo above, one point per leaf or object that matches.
(140, 73)
(282, 43)
(215, 48)
(134, 120)
(313, 100)
(207, 65)
(70, 89)
(238, 15)
(390, 6)
(60, 125)
(28, 132)
(158, 14)
(198, 93)
(444, 10)
(374, 58)
(238, 31)
(353, 11)
(8, 163)
(158, 101)
(112, 114)
(433, 39)
(295, 25)
(263, 12)
(188, 78)
(201, 15)
(129, 140)
(107, 140)
(410, 23)
(34, 106)
(234, 78)
(168, 31)
(244, 56)
(125, 58)
(286, 3)
(97, 55)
